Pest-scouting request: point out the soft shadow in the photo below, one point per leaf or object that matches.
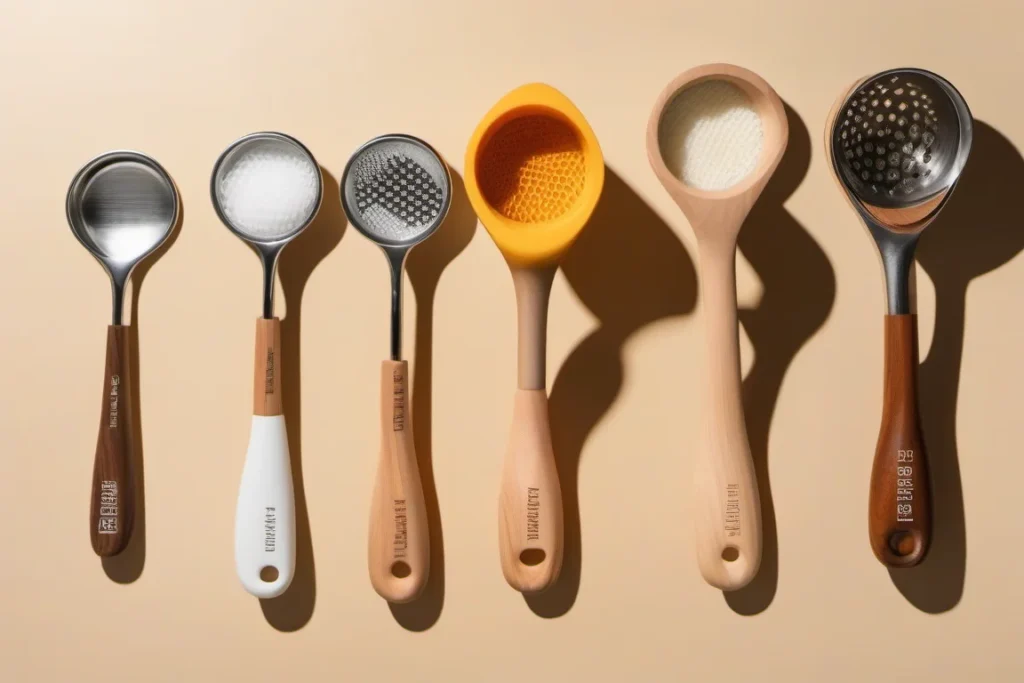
(630, 269)
(291, 610)
(127, 566)
(799, 288)
(979, 230)
(425, 264)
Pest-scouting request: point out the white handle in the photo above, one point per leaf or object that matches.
(265, 517)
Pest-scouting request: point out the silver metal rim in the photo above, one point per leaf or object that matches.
(102, 161)
(244, 140)
(354, 219)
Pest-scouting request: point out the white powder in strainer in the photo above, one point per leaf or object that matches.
(710, 135)
(268, 188)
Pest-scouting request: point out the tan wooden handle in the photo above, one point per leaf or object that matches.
(899, 515)
(727, 507)
(399, 552)
(112, 505)
(530, 503)
(266, 393)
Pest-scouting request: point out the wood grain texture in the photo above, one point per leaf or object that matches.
(266, 392)
(899, 512)
(399, 541)
(530, 515)
(112, 507)
(726, 502)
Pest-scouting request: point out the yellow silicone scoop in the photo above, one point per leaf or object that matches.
(534, 173)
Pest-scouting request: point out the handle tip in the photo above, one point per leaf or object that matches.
(532, 572)
(401, 584)
(732, 569)
(270, 582)
(901, 548)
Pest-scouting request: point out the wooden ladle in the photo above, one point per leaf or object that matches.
(726, 506)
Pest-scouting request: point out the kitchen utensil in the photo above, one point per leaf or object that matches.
(715, 136)
(396, 191)
(121, 206)
(897, 143)
(534, 173)
(266, 188)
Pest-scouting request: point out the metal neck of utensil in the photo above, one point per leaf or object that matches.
(396, 260)
(268, 257)
(897, 252)
(119, 274)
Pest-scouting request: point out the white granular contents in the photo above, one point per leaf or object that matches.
(710, 136)
(268, 188)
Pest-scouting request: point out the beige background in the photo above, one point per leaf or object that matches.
(180, 80)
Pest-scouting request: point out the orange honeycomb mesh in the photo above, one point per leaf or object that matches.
(532, 169)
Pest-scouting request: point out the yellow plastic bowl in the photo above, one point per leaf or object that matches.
(534, 173)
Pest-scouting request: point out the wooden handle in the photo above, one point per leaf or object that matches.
(727, 507)
(113, 486)
(530, 503)
(899, 514)
(266, 394)
(399, 553)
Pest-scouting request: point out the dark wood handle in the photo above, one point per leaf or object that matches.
(113, 487)
(899, 518)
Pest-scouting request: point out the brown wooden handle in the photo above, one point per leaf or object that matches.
(113, 488)
(899, 515)
(399, 551)
(266, 392)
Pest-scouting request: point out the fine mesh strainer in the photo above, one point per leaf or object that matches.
(898, 142)
(396, 191)
(266, 188)
(534, 173)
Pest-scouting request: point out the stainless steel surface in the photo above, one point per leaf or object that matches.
(901, 140)
(121, 206)
(396, 191)
(267, 243)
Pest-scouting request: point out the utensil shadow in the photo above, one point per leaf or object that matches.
(798, 293)
(126, 566)
(293, 609)
(631, 270)
(425, 264)
(979, 230)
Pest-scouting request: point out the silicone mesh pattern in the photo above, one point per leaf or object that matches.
(532, 169)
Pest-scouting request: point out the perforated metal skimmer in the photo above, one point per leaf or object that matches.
(898, 139)
(900, 142)
(396, 191)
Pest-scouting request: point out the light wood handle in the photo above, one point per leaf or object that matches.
(266, 394)
(399, 552)
(530, 503)
(899, 515)
(727, 508)
(112, 506)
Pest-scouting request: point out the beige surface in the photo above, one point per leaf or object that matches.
(180, 80)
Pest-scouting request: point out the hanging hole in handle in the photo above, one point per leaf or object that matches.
(730, 554)
(902, 543)
(269, 574)
(400, 570)
(531, 557)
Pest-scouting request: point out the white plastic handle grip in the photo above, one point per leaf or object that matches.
(265, 517)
